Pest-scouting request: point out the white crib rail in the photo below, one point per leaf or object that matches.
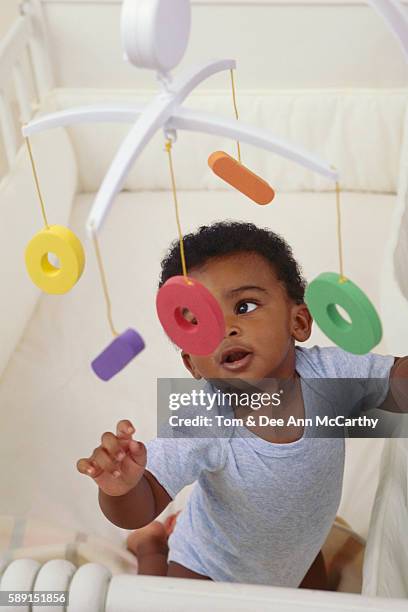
(24, 45)
(92, 588)
(399, 241)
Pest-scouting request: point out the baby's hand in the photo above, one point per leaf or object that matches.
(118, 463)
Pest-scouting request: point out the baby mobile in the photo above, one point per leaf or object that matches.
(155, 36)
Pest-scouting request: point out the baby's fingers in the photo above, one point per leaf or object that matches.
(113, 446)
(135, 461)
(137, 452)
(125, 429)
(103, 460)
(88, 467)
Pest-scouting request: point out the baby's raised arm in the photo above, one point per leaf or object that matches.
(129, 496)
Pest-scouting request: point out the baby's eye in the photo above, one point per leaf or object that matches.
(244, 305)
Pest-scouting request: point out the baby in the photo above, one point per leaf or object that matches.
(264, 498)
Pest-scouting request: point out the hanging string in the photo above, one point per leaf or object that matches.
(104, 284)
(236, 110)
(342, 278)
(173, 183)
(37, 183)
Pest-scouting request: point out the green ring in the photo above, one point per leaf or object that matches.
(324, 294)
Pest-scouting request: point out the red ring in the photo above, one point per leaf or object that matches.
(176, 294)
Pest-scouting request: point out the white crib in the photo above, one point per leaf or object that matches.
(345, 107)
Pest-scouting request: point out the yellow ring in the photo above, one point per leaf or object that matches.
(63, 243)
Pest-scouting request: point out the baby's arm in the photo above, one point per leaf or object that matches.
(389, 373)
(129, 496)
(397, 397)
(137, 508)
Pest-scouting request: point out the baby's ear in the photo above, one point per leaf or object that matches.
(188, 362)
(302, 322)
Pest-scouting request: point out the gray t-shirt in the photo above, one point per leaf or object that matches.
(260, 511)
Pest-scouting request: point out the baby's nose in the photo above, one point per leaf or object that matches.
(231, 328)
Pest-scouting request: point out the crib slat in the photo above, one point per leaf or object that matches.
(41, 72)
(13, 47)
(39, 50)
(23, 97)
(8, 130)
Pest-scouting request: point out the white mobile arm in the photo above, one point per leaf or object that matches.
(203, 122)
(155, 116)
(159, 114)
(189, 120)
(142, 132)
(84, 114)
(176, 92)
(165, 111)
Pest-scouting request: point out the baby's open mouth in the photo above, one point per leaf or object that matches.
(235, 356)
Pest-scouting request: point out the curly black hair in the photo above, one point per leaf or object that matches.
(226, 237)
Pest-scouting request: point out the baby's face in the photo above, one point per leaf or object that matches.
(261, 321)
